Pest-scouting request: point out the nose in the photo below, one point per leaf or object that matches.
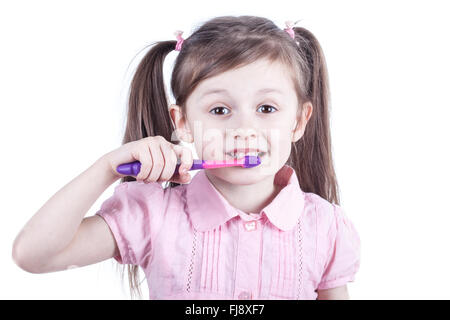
(244, 137)
(244, 134)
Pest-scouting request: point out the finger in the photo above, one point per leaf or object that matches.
(186, 158)
(185, 178)
(186, 161)
(145, 158)
(158, 162)
(170, 161)
(180, 178)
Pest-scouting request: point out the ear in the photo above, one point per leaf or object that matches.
(180, 123)
(300, 124)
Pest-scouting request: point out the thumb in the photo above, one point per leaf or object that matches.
(181, 178)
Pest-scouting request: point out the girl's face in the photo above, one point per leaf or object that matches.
(252, 107)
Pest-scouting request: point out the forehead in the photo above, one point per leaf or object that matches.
(251, 78)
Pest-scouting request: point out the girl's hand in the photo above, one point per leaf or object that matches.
(158, 159)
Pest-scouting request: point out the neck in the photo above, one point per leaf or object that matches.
(251, 198)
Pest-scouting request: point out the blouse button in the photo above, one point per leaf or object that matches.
(250, 226)
(244, 295)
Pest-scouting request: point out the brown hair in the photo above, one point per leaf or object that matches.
(221, 44)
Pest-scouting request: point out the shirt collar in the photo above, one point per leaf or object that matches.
(208, 209)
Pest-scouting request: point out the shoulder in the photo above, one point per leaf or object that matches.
(332, 223)
(155, 195)
(143, 202)
(321, 210)
(154, 191)
(138, 198)
(138, 188)
(329, 218)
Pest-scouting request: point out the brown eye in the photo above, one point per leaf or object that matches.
(267, 107)
(221, 112)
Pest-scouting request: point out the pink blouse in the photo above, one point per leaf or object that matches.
(192, 244)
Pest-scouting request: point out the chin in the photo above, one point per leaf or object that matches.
(243, 176)
(234, 175)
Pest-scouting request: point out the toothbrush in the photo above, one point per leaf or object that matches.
(133, 168)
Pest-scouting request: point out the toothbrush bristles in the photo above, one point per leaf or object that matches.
(251, 161)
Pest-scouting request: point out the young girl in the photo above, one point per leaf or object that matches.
(275, 231)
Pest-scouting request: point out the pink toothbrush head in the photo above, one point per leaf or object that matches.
(245, 162)
(251, 161)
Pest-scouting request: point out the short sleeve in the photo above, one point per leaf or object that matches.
(344, 252)
(133, 214)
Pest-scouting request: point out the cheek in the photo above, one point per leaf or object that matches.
(211, 144)
(280, 145)
(280, 138)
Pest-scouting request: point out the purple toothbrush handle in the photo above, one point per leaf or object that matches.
(133, 168)
(196, 165)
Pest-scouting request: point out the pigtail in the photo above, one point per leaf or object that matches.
(312, 155)
(148, 103)
(147, 115)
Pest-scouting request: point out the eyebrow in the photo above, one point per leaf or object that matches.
(215, 91)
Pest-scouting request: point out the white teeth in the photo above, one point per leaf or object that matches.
(241, 154)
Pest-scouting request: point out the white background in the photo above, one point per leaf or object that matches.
(64, 74)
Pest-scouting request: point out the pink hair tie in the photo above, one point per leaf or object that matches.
(180, 39)
(289, 29)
